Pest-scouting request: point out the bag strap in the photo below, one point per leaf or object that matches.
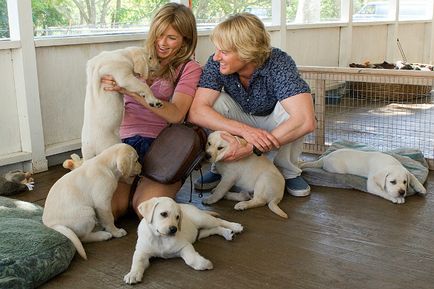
(175, 83)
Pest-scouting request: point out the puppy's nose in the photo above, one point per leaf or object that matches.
(173, 230)
(207, 156)
(402, 193)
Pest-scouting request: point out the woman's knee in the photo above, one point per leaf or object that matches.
(121, 200)
(148, 189)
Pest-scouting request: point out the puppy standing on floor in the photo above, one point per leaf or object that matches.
(168, 230)
(80, 197)
(103, 110)
(386, 176)
(254, 173)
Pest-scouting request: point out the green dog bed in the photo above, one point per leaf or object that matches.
(412, 159)
(30, 253)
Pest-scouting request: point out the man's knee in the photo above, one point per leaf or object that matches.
(223, 104)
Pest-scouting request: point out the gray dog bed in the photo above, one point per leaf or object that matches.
(412, 159)
(30, 253)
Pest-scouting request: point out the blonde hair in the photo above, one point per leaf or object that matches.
(181, 18)
(245, 34)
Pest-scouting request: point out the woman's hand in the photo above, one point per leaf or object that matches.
(110, 85)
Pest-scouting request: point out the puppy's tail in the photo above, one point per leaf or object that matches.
(315, 164)
(72, 163)
(68, 233)
(277, 210)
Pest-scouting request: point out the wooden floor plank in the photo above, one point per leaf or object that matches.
(334, 238)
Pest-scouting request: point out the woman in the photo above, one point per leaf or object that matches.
(172, 38)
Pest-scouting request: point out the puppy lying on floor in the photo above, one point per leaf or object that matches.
(386, 176)
(168, 230)
(103, 110)
(80, 197)
(253, 174)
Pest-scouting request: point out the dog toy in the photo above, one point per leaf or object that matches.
(15, 182)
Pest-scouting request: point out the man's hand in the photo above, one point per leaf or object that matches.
(237, 149)
(261, 139)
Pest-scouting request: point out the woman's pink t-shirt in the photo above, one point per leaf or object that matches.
(140, 121)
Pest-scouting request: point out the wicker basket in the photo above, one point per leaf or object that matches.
(386, 91)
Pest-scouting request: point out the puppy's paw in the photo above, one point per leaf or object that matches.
(241, 206)
(237, 228)
(398, 200)
(119, 233)
(228, 234)
(103, 236)
(133, 277)
(208, 201)
(151, 100)
(203, 264)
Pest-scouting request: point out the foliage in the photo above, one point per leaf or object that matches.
(45, 14)
(86, 14)
(217, 10)
(291, 10)
(330, 10)
(4, 26)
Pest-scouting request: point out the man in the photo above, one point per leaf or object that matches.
(265, 101)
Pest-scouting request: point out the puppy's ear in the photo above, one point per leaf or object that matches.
(380, 179)
(147, 209)
(140, 65)
(123, 163)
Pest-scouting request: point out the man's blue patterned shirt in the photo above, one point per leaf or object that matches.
(276, 80)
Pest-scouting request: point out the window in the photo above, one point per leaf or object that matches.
(4, 22)
(385, 10)
(415, 9)
(372, 11)
(211, 12)
(84, 17)
(313, 11)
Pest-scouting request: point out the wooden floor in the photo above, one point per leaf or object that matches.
(334, 238)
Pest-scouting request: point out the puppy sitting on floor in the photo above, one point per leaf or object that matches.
(83, 196)
(386, 176)
(253, 174)
(168, 230)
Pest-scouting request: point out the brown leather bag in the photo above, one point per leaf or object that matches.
(175, 153)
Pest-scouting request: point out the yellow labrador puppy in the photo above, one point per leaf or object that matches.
(103, 110)
(168, 230)
(80, 197)
(386, 176)
(253, 174)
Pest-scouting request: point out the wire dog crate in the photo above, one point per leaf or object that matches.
(385, 109)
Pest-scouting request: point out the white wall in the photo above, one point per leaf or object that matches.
(62, 79)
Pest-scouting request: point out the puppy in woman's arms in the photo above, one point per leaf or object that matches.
(103, 110)
(253, 174)
(386, 176)
(168, 230)
(83, 196)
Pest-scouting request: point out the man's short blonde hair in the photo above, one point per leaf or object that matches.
(245, 34)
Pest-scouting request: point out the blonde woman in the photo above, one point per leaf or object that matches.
(265, 100)
(172, 38)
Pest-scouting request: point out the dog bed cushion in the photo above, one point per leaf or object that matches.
(412, 159)
(30, 253)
